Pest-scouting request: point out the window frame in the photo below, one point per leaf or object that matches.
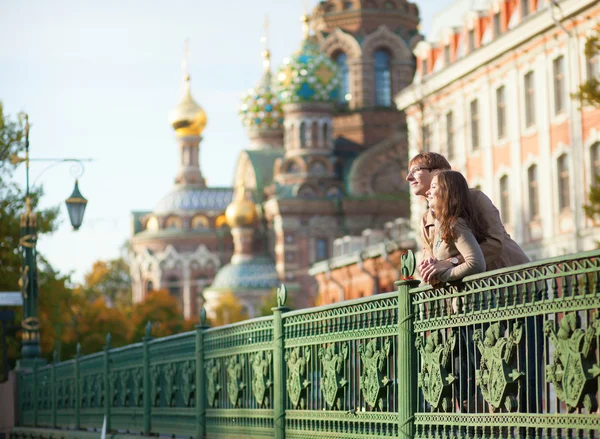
(382, 92)
(529, 99)
(564, 184)
(474, 125)
(501, 124)
(558, 85)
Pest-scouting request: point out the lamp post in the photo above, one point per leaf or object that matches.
(30, 350)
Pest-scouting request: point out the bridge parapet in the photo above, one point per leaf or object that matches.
(508, 353)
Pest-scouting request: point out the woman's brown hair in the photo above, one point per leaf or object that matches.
(454, 203)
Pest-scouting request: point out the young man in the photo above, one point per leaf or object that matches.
(499, 249)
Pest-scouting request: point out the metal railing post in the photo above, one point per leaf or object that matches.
(77, 389)
(35, 395)
(407, 359)
(107, 387)
(279, 390)
(200, 377)
(146, 381)
(54, 407)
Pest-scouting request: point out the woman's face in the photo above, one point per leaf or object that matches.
(432, 193)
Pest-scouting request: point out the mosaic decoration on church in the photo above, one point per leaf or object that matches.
(260, 107)
(308, 76)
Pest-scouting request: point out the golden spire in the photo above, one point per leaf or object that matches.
(305, 20)
(266, 52)
(187, 118)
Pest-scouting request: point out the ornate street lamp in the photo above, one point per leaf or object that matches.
(76, 207)
(30, 350)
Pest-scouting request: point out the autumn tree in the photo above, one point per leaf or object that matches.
(163, 312)
(110, 280)
(228, 310)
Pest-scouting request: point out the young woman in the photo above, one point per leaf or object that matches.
(458, 229)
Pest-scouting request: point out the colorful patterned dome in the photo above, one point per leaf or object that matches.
(308, 76)
(260, 107)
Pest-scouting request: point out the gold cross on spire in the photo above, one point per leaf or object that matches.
(184, 63)
(305, 20)
(266, 52)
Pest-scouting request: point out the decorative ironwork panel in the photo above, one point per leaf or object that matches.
(525, 350)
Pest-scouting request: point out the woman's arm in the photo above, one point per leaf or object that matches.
(471, 252)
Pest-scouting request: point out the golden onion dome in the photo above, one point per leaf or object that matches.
(241, 212)
(187, 118)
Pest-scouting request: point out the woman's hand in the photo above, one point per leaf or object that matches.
(431, 267)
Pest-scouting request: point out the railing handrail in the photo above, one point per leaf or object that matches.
(515, 268)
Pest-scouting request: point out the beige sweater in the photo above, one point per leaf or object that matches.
(465, 245)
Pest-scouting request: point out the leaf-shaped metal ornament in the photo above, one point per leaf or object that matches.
(408, 264)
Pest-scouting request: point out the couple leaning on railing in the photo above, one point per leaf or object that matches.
(462, 233)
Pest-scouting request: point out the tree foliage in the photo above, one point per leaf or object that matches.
(589, 91)
(228, 310)
(110, 280)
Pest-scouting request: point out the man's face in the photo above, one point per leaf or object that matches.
(419, 177)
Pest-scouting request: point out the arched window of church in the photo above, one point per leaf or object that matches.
(294, 167)
(314, 135)
(173, 286)
(383, 79)
(200, 222)
(152, 224)
(174, 222)
(325, 135)
(348, 5)
(149, 287)
(318, 167)
(302, 135)
(389, 5)
(344, 91)
(306, 192)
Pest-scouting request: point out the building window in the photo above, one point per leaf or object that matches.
(302, 135)
(322, 249)
(423, 67)
(174, 222)
(447, 54)
(450, 135)
(564, 196)
(501, 112)
(471, 40)
(529, 100)
(348, 5)
(534, 209)
(593, 68)
(595, 162)
(497, 24)
(524, 8)
(383, 92)
(474, 125)
(426, 137)
(558, 71)
(344, 94)
(504, 200)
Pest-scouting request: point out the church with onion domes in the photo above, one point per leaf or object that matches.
(326, 158)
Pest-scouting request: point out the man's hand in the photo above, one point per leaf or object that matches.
(431, 268)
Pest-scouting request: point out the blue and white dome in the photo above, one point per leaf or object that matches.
(258, 273)
(190, 198)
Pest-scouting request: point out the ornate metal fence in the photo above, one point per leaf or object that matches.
(510, 353)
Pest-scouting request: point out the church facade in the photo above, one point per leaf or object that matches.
(327, 157)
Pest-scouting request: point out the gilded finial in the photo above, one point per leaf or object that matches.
(305, 20)
(266, 52)
(186, 57)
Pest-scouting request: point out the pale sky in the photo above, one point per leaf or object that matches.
(98, 79)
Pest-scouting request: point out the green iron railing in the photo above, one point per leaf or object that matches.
(509, 353)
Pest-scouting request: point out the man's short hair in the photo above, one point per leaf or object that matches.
(431, 160)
